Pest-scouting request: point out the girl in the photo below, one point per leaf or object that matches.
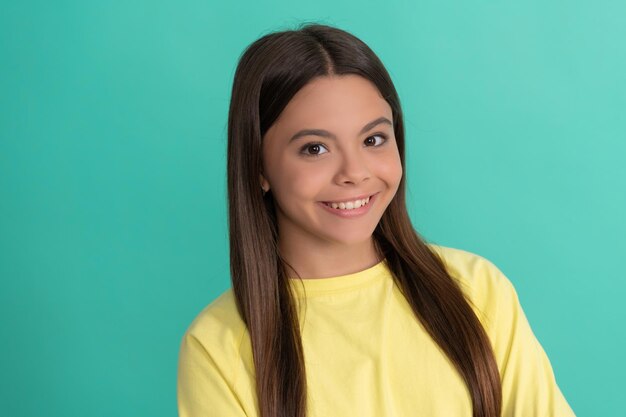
(338, 307)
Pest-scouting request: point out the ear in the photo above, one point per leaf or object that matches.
(264, 183)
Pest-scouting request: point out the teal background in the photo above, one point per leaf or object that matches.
(113, 228)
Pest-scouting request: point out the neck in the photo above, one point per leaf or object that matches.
(315, 259)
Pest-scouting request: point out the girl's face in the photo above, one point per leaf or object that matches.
(333, 143)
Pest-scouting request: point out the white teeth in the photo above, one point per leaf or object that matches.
(350, 205)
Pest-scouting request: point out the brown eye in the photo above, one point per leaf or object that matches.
(312, 149)
(371, 141)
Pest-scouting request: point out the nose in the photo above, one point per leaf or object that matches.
(353, 168)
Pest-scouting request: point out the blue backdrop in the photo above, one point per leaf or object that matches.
(112, 177)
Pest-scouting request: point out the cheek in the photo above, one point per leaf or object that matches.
(298, 179)
(391, 169)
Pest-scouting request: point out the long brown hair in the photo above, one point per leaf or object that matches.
(270, 72)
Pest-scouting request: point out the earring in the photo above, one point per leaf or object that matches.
(264, 191)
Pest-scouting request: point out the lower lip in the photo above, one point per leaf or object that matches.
(351, 213)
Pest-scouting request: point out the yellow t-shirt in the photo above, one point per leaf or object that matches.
(367, 355)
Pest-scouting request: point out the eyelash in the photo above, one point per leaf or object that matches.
(305, 147)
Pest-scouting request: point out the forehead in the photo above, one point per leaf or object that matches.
(333, 102)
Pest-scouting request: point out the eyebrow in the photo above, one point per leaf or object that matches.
(327, 134)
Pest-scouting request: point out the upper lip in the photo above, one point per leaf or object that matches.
(345, 200)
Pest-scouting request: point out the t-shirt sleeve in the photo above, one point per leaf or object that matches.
(204, 387)
(529, 387)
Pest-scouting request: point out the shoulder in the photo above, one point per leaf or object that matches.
(209, 362)
(471, 270)
(528, 383)
(218, 327)
(485, 285)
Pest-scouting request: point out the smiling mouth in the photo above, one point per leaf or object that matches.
(350, 204)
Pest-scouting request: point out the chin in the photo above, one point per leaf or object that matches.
(348, 239)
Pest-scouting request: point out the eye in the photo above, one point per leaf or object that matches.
(371, 142)
(314, 147)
